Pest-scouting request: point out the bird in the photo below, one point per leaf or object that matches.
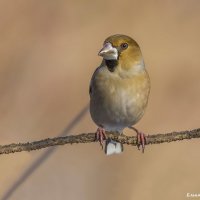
(119, 91)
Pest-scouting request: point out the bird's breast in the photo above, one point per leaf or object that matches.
(117, 101)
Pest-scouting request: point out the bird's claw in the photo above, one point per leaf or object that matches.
(141, 140)
(100, 136)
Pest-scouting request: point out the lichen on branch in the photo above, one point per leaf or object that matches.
(90, 137)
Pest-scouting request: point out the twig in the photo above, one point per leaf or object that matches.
(90, 137)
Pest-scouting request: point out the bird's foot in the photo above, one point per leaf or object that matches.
(141, 139)
(100, 135)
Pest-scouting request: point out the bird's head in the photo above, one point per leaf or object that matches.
(121, 51)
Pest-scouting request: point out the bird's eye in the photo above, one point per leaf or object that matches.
(124, 45)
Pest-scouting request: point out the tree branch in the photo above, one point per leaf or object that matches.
(90, 137)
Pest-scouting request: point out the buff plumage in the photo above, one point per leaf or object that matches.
(119, 89)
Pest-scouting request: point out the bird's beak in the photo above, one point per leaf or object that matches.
(108, 52)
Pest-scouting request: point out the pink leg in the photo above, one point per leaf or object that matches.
(100, 135)
(141, 139)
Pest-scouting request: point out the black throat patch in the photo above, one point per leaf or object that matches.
(111, 65)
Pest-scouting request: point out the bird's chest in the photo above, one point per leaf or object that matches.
(119, 99)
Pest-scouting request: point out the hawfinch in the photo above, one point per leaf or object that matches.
(119, 90)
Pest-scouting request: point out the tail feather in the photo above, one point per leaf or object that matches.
(113, 147)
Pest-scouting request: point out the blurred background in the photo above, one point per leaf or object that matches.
(48, 52)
